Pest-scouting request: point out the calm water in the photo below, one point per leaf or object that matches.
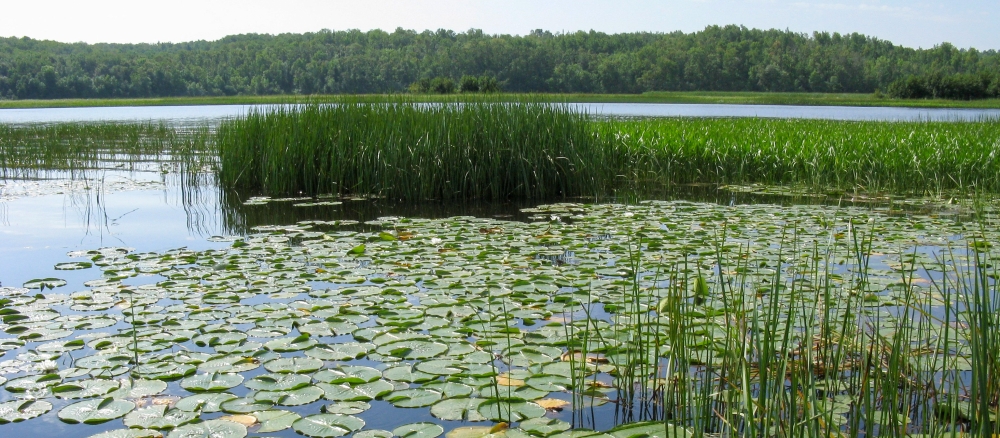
(211, 114)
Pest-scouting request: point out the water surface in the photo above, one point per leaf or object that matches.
(213, 114)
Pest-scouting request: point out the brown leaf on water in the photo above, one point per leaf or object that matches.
(552, 404)
(577, 356)
(505, 380)
(246, 420)
(168, 401)
(501, 426)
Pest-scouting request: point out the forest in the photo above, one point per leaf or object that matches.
(727, 58)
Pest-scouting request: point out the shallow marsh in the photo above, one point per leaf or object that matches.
(759, 311)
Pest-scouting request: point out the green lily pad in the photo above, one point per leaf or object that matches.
(206, 403)
(294, 397)
(85, 388)
(229, 364)
(412, 349)
(362, 392)
(300, 342)
(33, 383)
(69, 266)
(158, 417)
(459, 409)
(129, 433)
(210, 429)
(44, 283)
(298, 365)
(413, 398)
(351, 375)
(450, 389)
(95, 411)
(278, 382)
(340, 352)
(406, 373)
(211, 382)
(372, 433)
(649, 429)
(245, 405)
(346, 407)
(544, 426)
(139, 388)
(275, 420)
(327, 425)
(20, 410)
(510, 410)
(418, 430)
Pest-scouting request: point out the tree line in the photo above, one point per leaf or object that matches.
(729, 58)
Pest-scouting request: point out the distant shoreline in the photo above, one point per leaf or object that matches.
(692, 97)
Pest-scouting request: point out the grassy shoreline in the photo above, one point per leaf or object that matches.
(680, 97)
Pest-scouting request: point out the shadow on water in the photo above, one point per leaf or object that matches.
(239, 217)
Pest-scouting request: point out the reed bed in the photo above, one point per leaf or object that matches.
(742, 349)
(900, 157)
(495, 150)
(474, 150)
(27, 151)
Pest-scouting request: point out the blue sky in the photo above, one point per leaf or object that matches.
(964, 23)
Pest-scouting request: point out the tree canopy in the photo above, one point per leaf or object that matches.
(729, 58)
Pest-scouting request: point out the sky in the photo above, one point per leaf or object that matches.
(915, 23)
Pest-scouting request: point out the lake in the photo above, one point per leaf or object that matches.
(212, 114)
(155, 299)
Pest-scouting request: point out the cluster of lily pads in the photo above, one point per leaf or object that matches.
(504, 324)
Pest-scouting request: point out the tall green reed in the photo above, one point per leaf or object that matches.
(414, 151)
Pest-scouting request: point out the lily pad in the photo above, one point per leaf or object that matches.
(413, 398)
(413, 349)
(362, 392)
(206, 403)
(510, 410)
(544, 426)
(211, 382)
(85, 388)
(327, 425)
(650, 429)
(20, 410)
(339, 352)
(275, 420)
(44, 283)
(351, 375)
(294, 397)
(346, 407)
(418, 430)
(159, 417)
(210, 429)
(278, 382)
(459, 409)
(298, 365)
(95, 411)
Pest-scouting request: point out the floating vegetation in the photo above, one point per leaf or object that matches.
(664, 318)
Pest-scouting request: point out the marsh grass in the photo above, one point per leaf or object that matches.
(401, 149)
(898, 157)
(499, 150)
(799, 352)
(31, 151)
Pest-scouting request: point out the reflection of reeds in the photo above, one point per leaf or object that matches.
(31, 150)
